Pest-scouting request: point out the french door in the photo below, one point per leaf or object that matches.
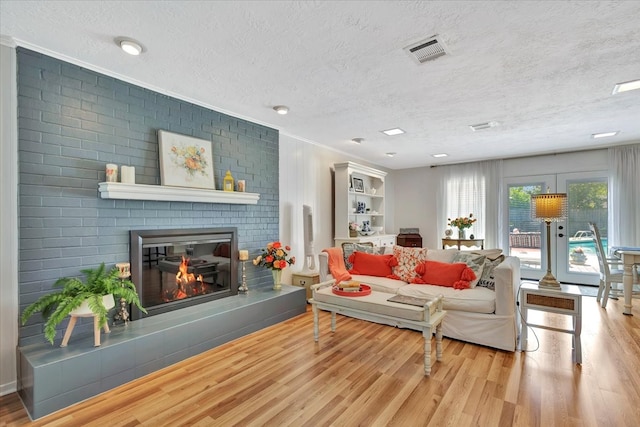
(573, 257)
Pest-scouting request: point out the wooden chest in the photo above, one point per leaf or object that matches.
(306, 280)
(410, 240)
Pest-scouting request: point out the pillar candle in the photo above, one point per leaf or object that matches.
(128, 175)
(243, 255)
(112, 172)
(241, 185)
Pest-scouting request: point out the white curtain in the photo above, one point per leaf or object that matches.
(473, 188)
(624, 196)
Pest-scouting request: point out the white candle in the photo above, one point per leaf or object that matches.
(128, 175)
(243, 255)
(125, 269)
(112, 172)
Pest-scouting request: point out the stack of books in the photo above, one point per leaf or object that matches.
(350, 286)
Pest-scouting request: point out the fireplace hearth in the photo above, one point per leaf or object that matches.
(177, 268)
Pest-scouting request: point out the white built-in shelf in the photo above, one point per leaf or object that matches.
(119, 190)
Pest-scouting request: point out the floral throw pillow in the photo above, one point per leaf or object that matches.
(474, 261)
(408, 260)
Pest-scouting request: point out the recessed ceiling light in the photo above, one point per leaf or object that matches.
(440, 155)
(281, 109)
(390, 154)
(131, 47)
(394, 131)
(357, 140)
(626, 86)
(603, 134)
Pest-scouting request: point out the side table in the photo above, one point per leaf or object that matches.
(462, 242)
(567, 301)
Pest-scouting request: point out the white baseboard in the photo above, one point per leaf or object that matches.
(8, 388)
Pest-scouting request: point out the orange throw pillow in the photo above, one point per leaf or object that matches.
(373, 265)
(457, 275)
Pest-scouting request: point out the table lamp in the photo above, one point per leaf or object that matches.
(549, 207)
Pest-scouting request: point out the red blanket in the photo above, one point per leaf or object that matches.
(336, 264)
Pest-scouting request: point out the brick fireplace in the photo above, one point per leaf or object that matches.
(72, 121)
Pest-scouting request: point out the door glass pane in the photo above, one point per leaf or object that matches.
(587, 203)
(524, 233)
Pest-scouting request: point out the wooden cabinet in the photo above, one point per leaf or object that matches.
(360, 196)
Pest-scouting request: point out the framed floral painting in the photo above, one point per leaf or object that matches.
(185, 161)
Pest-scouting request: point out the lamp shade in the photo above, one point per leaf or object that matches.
(549, 207)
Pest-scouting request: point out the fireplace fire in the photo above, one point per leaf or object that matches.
(187, 284)
(176, 268)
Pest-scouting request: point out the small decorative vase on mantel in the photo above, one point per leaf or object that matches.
(462, 233)
(277, 279)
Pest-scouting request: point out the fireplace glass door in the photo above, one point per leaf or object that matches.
(176, 268)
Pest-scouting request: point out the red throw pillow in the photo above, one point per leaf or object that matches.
(457, 275)
(372, 265)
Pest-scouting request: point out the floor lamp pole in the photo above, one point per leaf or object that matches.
(548, 281)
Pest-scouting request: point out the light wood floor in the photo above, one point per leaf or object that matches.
(372, 375)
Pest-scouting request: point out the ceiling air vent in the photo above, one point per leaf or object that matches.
(427, 50)
(481, 126)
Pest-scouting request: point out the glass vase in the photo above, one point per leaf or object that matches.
(462, 233)
(277, 279)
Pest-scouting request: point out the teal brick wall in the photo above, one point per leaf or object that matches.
(71, 123)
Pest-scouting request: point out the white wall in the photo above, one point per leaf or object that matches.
(415, 203)
(580, 161)
(8, 219)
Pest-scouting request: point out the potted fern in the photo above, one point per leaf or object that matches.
(97, 292)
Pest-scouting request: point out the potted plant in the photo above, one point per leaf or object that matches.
(97, 291)
(578, 256)
(353, 229)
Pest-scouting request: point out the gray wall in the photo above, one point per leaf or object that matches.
(71, 122)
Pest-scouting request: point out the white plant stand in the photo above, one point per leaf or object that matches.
(85, 311)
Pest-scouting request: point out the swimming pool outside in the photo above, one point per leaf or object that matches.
(589, 247)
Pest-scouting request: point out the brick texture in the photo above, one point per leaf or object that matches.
(71, 123)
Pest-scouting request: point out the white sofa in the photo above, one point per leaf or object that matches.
(478, 315)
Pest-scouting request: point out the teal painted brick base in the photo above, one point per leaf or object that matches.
(52, 378)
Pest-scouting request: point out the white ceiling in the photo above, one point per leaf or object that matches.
(544, 70)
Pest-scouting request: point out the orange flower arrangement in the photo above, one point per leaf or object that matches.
(462, 222)
(274, 257)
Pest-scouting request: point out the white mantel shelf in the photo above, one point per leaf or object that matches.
(119, 190)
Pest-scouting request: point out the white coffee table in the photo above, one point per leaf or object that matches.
(376, 308)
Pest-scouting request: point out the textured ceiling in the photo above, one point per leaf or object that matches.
(543, 70)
